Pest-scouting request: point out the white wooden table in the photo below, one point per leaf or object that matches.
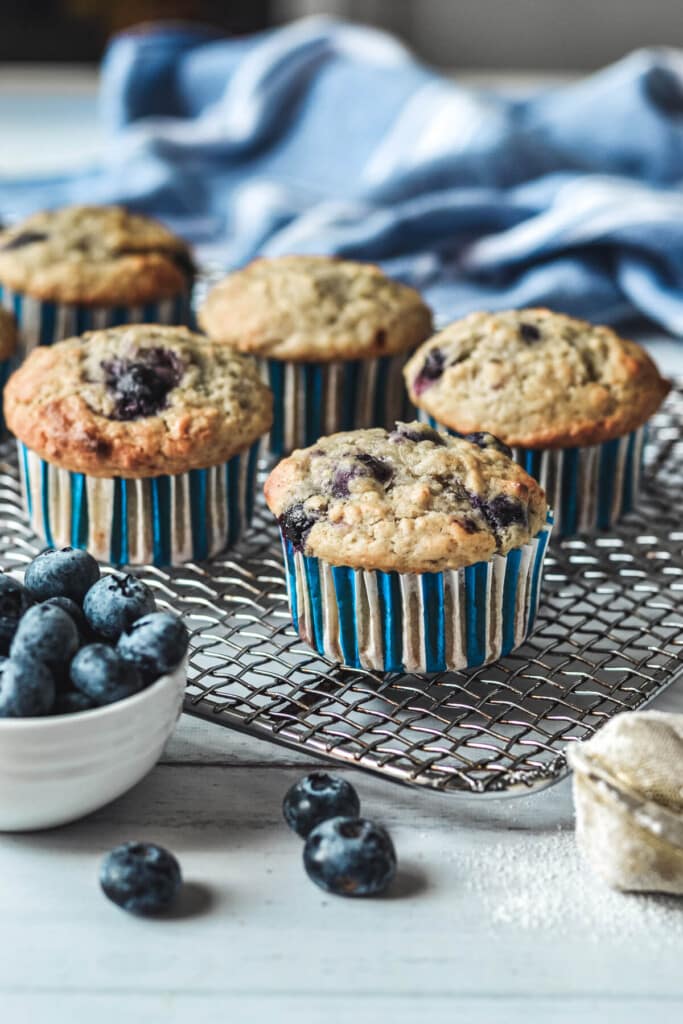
(493, 918)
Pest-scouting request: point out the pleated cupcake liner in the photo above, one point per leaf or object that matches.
(417, 622)
(315, 399)
(5, 370)
(44, 323)
(163, 520)
(588, 487)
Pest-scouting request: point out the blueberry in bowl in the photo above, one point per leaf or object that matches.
(14, 601)
(152, 644)
(64, 572)
(27, 688)
(74, 611)
(103, 677)
(114, 603)
(48, 635)
(68, 702)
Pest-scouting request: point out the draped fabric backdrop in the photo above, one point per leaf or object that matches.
(327, 137)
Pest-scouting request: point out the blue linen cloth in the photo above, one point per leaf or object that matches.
(327, 137)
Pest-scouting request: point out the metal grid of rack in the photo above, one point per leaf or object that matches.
(609, 637)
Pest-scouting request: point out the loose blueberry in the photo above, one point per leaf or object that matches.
(48, 634)
(24, 238)
(141, 385)
(27, 688)
(74, 611)
(142, 878)
(296, 524)
(529, 333)
(485, 440)
(14, 601)
(67, 572)
(432, 369)
(317, 797)
(102, 675)
(155, 644)
(416, 432)
(115, 602)
(350, 857)
(69, 702)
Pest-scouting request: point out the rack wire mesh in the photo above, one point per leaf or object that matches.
(609, 637)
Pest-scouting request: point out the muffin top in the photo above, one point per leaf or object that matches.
(409, 500)
(315, 308)
(137, 401)
(94, 255)
(535, 378)
(8, 334)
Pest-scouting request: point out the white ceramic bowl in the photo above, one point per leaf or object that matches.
(56, 769)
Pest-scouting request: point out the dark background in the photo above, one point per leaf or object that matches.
(77, 30)
(542, 35)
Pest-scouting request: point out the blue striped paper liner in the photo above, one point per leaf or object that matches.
(423, 622)
(5, 369)
(44, 323)
(318, 398)
(589, 487)
(162, 520)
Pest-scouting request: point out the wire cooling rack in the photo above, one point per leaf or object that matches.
(609, 637)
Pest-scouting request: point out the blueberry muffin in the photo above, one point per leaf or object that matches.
(315, 308)
(138, 442)
(571, 398)
(331, 335)
(409, 549)
(63, 271)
